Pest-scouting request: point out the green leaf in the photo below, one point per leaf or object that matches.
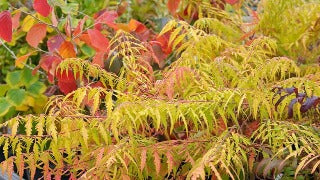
(27, 78)
(4, 106)
(16, 96)
(88, 51)
(37, 88)
(3, 89)
(13, 79)
(70, 8)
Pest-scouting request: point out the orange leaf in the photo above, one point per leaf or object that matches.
(5, 26)
(98, 40)
(36, 34)
(10, 166)
(67, 50)
(20, 61)
(42, 7)
(99, 59)
(85, 38)
(20, 166)
(173, 6)
(122, 26)
(133, 24)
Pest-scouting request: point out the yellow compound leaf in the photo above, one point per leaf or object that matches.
(14, 126)
(28, 126)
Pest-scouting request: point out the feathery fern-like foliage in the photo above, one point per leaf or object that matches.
(210, 112)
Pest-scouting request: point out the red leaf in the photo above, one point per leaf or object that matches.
(99, 59)
(106, 17)
(67, 50)
(67, 28)
(16, 20)
(36, 34)
(79, 28)
(97, 84)
(136, 26)
(232, 2)
(42, 7)
(66, 82)
(5, 26)
(139, 29)
(173, 6)
(98, 41)
(55, 42)
(49, 63)
(54, 19)
(251, 127)
(164, 41)
(157, 53)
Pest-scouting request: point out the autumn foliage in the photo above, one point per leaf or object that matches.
(173, 89)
